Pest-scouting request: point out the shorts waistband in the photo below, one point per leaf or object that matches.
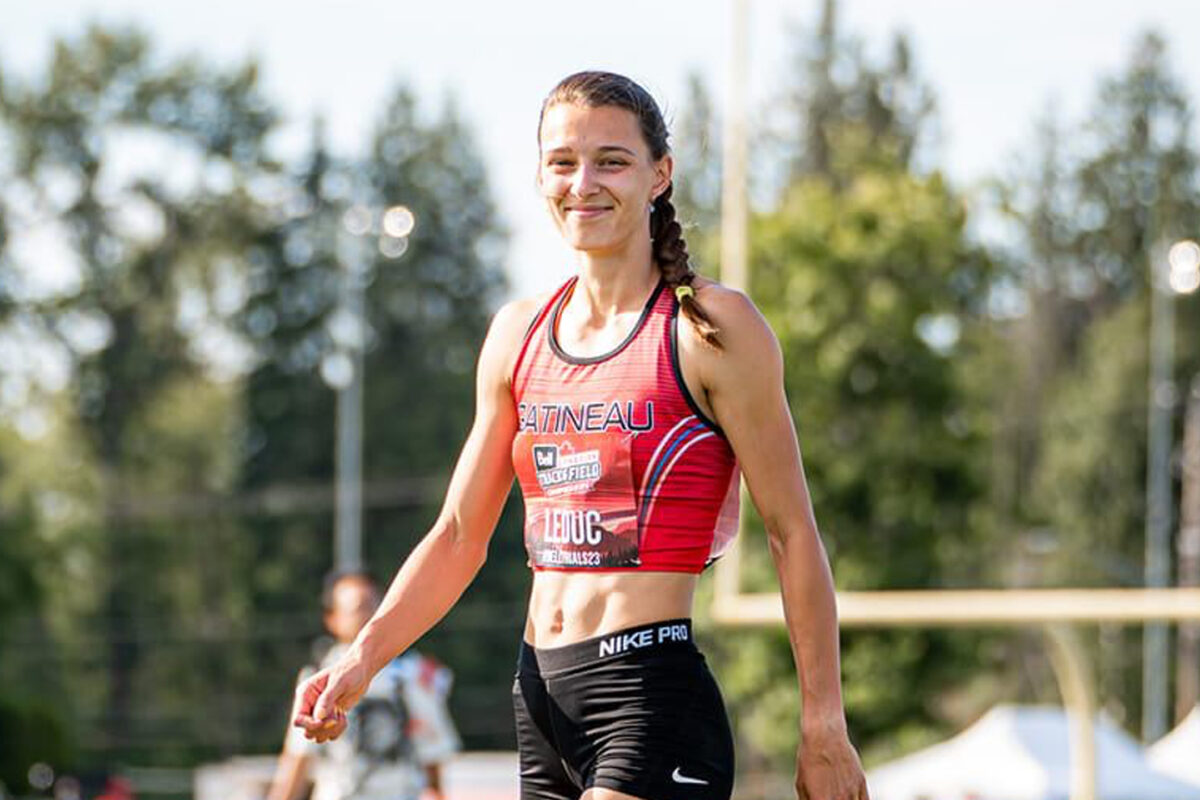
(665, 634)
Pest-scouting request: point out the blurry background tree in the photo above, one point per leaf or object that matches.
(971, 407)
(130, 181)
(1090, 224)
(862, 265)
(426, 313)
(169, 288)
(696, 145)
(971, 413)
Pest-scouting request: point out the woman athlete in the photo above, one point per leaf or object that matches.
(625, 403)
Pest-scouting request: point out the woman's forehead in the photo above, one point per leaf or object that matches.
(567, 126)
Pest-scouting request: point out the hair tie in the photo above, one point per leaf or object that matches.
(683, 291)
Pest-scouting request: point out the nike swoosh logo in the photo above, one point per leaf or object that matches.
(678, 778)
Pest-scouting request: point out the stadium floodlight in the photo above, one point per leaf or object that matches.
(343, 369)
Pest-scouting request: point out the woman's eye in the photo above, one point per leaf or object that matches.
(606, 162)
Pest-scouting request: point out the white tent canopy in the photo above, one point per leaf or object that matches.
(1178, 753)
(1021, 753)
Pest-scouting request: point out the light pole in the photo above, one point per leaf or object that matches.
(1180, 274)
(360, 227)
(1187, 546)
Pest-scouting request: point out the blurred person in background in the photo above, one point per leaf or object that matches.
(117, 787)
(625, 403)
(399, 733)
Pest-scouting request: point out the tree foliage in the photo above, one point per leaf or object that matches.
(183, 325)
(969, 414)
(88, 147)
(864, 269)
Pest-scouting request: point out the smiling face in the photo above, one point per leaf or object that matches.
(598, 177)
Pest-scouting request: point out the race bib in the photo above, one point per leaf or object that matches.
(581, 511)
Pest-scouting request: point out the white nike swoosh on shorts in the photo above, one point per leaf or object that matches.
(678, 778)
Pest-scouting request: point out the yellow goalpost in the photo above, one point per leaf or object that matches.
(1058, 612)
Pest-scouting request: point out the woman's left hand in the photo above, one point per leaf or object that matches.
(828, 768)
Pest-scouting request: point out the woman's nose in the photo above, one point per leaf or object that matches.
(583, 182)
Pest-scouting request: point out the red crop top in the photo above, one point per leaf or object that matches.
(619, 468)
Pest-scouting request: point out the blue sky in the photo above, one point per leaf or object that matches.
(995, 65)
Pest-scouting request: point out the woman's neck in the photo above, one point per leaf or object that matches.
(613, 284)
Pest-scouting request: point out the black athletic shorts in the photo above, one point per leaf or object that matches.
(636, 711)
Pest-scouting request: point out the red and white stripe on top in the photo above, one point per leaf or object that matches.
(619, 468)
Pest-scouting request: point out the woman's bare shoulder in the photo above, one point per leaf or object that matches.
(514, 317)
(728, 308)
(510, 325)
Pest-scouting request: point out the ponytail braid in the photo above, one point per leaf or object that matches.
(671, 255)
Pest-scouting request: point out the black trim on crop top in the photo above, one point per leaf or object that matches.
(673, 326)
(552, 325)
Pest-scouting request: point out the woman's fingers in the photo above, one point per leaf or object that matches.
(323, 731)
(329, 702)
(316, 709)
(323, 700)
(308, 693)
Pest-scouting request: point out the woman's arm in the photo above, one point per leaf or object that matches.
(442, 565)
(744, 386)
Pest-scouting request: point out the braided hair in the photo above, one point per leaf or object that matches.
(594, 89)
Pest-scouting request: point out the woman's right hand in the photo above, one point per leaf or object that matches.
(323, 700)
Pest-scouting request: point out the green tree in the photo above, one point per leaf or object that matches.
(1137, 185)
(427, 312)
(846, 112)
(869, 289)
(697, 179)
(1041, 274)
(1090, 225)
(865, 270)
(134, 238)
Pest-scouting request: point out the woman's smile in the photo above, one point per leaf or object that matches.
(587, 212)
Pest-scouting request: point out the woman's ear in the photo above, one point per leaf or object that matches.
(664, 168)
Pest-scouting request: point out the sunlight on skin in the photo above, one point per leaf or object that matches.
(607, 794)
